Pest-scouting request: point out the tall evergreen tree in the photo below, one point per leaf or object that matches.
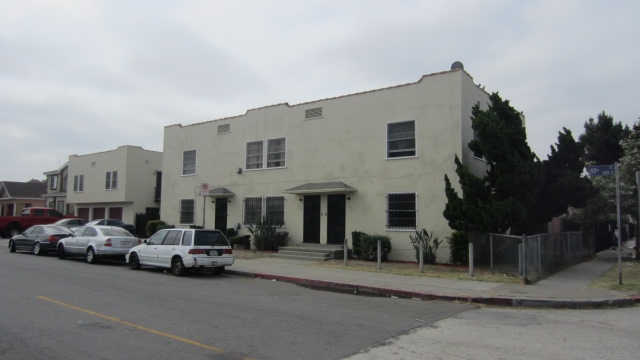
(602, 140)
(507, 197)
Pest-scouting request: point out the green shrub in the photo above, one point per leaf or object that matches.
(458, 248)
(266, 237)
(152, 226)
(431, 244)
(368, 247)
(356, 242)
(241, 241)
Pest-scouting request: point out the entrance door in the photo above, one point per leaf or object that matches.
(336, 205)
(311, 225)
(221, 214)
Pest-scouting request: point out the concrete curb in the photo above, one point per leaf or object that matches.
(565, 303)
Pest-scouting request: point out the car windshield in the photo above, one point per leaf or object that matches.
(210, 238)
(116, 232)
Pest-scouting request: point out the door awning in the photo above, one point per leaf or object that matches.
(334, 187)
(220, 192)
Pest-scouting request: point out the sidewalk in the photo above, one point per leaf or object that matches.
(566, 289)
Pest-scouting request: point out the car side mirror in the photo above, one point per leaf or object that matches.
(145, 241)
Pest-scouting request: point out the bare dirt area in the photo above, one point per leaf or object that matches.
(251, 254)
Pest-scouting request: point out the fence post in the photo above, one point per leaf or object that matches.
(524, 258)
(420, 254)
(539, 255)
(345, 253)
(470, 259)
(491, 251)
(379, 254)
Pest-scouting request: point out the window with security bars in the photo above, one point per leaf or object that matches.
(254, 155)
(187, 207)
(189, 162)
(401, 211)
(401, 139)
(269, 207)
(276, 149)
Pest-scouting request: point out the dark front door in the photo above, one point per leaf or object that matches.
(221, 214)
(336, 205)
(311, 226)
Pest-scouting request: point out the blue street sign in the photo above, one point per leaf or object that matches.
(601, 170)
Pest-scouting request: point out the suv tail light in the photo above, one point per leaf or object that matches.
(107, 242)
(197, 252)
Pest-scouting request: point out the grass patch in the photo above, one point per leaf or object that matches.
(630, 277)
(413, 269)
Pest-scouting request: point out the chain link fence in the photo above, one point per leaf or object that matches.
(533, 257)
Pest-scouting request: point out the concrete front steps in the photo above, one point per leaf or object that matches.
(311, 252)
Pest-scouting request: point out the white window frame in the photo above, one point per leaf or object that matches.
(78, 183)
(276, 153)
(186, 165)
(397, 137)
(187, 210)
(53, 182)
(111, 180)
(254, 160)
(392, 213)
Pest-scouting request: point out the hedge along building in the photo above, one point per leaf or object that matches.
(373, 162)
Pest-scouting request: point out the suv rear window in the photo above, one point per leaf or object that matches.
(210, 238)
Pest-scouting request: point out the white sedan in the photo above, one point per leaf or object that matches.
(94, 242)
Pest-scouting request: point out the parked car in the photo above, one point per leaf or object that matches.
(94, 242)
(39, 239)
(183, 249)
(113, 222)
(71, 223)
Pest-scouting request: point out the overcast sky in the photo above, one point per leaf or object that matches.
(83, 76)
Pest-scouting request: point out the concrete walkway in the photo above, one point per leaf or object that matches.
(565, 289)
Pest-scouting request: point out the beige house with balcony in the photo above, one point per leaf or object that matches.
(373, 162)
(114, 184)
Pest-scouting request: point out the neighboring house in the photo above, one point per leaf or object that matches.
(373, 161)
(115, 184)
(56, 196)
(15, 196)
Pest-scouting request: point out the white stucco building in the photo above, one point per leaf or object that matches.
(373, 162)
(115, 184)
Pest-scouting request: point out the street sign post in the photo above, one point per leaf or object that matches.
(600, 170)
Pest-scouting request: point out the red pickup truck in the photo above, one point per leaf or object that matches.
(14, 225)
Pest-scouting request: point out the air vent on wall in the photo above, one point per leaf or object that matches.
(313, 113)
(224, 128)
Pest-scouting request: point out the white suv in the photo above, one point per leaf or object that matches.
(183, 249)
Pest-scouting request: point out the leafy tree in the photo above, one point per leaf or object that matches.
(602, 140)
(507, 197)
(565, 186)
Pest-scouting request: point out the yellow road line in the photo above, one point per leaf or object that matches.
(139, 327)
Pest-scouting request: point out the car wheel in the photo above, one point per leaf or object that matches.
(218, 270)
(62, 254)
(91, 256)
(177, 266)
(37, 250)
(13, 230)
(12, 246)
(134, 262)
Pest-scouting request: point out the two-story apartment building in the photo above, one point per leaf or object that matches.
(56, 196)
(373, 161)
(115, 184)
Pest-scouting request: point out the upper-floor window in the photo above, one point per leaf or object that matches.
(187, 207)
(111, 181)
(401, 211)
(53, 182)
(78, 183)
(276, 154)
(401, 139)
(189, 162)
(254, 155)
(477, 154)
(276, 150)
